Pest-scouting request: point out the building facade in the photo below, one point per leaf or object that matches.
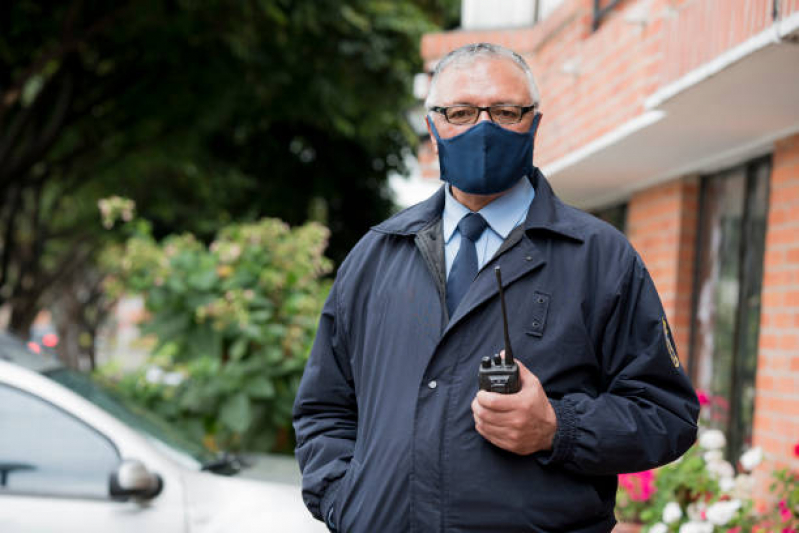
(678, 121)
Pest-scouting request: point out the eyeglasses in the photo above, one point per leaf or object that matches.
(468, 114)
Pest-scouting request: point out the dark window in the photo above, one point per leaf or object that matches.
(729, 276)
(616, 216)
(44, 450)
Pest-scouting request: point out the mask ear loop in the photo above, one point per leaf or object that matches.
(432, 124)
(536, 121)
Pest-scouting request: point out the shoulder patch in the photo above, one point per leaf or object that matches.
(667, 338)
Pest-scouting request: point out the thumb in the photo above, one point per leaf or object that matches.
(524, 374)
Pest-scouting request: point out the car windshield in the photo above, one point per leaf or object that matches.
(161, 434)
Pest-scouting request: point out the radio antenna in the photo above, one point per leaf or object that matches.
(508, 349)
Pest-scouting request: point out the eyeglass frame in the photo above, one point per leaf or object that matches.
(443, 112)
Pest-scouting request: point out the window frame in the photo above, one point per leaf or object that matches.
(741, 340)
(60, 495)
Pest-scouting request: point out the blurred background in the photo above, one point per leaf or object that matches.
(135, 132)
(179, 181)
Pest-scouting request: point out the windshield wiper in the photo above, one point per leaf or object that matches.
(225, 463)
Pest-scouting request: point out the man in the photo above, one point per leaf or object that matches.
(392, 433)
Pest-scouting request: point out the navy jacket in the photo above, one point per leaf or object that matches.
(385, 434)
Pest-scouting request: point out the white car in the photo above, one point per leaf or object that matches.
(74, 458)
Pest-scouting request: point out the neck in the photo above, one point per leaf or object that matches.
(475, 202)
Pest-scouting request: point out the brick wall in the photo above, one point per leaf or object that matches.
(593, 82)
(661, 224)
(777, 386)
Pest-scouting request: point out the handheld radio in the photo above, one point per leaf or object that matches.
(496, 375)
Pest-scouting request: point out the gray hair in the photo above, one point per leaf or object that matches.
(468, 54)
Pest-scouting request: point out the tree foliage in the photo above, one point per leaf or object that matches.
(201, 112)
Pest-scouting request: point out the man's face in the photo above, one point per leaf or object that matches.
(484, 82)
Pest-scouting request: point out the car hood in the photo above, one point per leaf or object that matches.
(220, 504)
(271, 467)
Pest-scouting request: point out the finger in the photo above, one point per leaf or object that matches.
(525, 376)
(476, 407)
(495, 401)
(496, 436)
(487, 429)
(497, 418)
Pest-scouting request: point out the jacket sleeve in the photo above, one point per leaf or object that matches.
(646, 414)
(325, 414)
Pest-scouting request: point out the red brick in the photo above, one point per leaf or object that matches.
(792, 298)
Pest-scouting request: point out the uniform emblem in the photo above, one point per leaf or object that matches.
(670, 343)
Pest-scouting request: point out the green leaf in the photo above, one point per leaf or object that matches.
(261, 387)
(239, 348)
(236, 413)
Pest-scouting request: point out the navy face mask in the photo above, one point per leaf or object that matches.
(486, 158)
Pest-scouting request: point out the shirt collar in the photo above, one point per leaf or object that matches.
(502, 215)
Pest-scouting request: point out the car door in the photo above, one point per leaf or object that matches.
(54, 475)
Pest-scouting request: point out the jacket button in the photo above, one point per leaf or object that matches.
(432, 384)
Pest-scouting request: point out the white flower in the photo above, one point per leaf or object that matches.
(660, 527)
(722, 512)
(154, 374)
(696, 527)
(726, 484)
(721, 469)
(751, 458)
(172, 379)
(672, 512)
(712, 439)
(713, 455)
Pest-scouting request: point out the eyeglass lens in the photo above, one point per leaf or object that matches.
(501, 114)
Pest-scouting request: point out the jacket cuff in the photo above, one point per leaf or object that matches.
(327, 505)
(563, 442)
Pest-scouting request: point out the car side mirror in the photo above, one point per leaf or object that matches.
(133, 480)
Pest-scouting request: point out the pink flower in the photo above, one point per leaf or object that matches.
(785, 513)
(796, 449)
(788, 530)
(640, 486)
(734, 530)
(704, 399)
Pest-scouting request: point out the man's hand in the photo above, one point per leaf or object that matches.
(521, 423)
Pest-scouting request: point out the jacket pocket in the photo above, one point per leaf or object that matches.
(349, 484)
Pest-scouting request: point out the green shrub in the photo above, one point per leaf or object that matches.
(233, 323)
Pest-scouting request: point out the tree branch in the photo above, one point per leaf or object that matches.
(10, 96)
(9, 241)
(20, 164)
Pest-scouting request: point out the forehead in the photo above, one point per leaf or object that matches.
(483, 81)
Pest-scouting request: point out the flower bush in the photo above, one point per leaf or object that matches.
(702, 493)
(233, 324)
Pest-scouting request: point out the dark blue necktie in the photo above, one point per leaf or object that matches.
(464, 268)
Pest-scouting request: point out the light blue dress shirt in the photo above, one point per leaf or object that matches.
(502, 215)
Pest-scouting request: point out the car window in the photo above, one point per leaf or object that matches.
(44, 450)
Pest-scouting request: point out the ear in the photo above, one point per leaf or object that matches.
(537, 119)
(427, 120)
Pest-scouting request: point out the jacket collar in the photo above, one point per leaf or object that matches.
(547, 213)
